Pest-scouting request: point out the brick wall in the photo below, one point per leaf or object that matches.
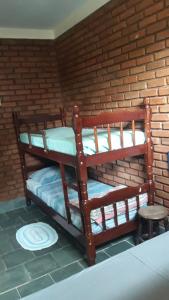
(113, 59)
(28, 83)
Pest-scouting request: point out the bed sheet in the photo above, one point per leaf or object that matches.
(62, 139)
(52, 195)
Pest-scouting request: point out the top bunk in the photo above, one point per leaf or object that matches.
(91, 140)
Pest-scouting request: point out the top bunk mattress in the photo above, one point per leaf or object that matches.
(62, 139)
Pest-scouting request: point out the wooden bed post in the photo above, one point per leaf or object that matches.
(63, 116)
(21, 154)
(81, 171)
(149, 154)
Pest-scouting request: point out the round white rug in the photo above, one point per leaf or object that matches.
(36, 236)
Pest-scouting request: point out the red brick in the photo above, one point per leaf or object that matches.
(163, 91)
(161, 54)
(156, 82)
(144, 4)
(166, 126)
(146, 21)
(149, 93)
(162, 35)
(137, 53)
(158, 100)
(146, 75)
(155, 65)
(160, 117)
(163, 14)
(145, 59)
(155, 47)
(137, 70)
(162, 72)
(156, 27)
(154, 8)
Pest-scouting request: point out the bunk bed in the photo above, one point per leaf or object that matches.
(93, 212)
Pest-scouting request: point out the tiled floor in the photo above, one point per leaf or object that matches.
(23, 272)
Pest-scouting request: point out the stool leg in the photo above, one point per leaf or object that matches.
(166, 224)
(139, 232)
(150, 229)
(157, 228)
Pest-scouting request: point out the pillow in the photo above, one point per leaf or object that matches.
(51, 174)
(46, 175)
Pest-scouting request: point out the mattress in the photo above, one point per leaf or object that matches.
(62, 139)
(52, 195)
(139, 273)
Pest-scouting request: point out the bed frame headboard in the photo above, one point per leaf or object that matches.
(37, 119)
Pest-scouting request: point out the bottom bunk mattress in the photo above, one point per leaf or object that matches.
(46, 184)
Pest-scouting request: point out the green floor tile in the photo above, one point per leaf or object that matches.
(5, 246)
(66, 272)
(17, 257)
(66, 255)
(47, 250)
(101, 256)
(31, 215)
(118, 248)
(15, 213)
(2, 266)
(131, 239)
(10, 234)
(35, 285)
(3, 219)
(11, 295)
(63, 239)
(13, 278)
(6, 221)
(41, 265)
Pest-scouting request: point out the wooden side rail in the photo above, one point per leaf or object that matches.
(112, 199)
(37, 120)
(118, 195)
(109, 121)
(113, 117)
(41, 118)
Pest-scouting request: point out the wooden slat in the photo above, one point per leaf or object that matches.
(114, 232)
(133, 132)
(138, 202)
(103, 218)
(127, 209)
(74, 207)
(109, 136)
(121, 135)
(45, 124)
(29, 137)
(96, 139)
(65, 192)
(115, 214)
(43, 132)
(72, 186)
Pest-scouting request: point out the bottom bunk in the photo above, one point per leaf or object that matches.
(45, 188)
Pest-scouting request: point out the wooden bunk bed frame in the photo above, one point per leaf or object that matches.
(81, 162)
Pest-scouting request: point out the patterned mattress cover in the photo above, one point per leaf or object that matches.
(62, 139)
(47, 185)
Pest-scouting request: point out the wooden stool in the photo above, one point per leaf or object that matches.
(151, 217)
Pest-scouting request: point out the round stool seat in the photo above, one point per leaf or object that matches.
(150, 218)
(153, 212)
